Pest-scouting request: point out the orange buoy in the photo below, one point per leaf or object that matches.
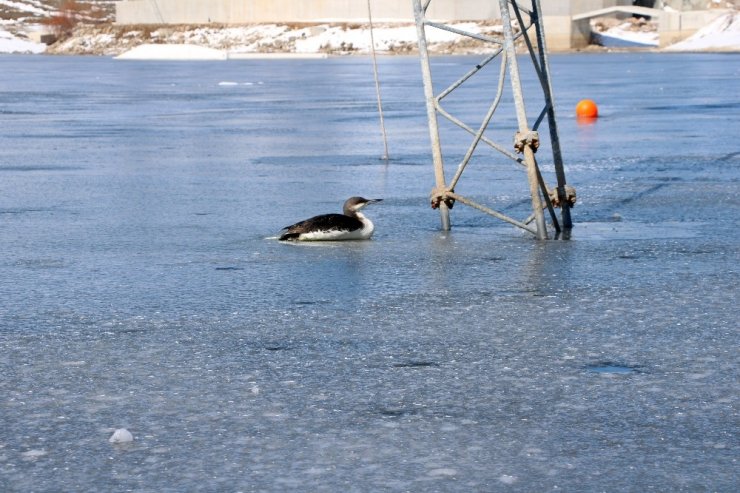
(586, 108)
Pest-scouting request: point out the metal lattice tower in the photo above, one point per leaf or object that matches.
(526, 139)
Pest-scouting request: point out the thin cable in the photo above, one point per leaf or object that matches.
(377, 82)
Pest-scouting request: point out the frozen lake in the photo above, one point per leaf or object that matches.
(139, 288)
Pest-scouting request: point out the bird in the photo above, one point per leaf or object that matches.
(351, 225)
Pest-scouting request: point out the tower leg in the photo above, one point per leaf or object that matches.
(426, 74)
(521, 116)
(551, 121)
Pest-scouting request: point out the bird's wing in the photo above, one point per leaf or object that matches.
(325, 222)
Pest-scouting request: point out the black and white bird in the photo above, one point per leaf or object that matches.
(351, 225)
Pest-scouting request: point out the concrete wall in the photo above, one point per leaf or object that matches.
(259, 11)
(563, 33)
(677, 26)
(256, 11)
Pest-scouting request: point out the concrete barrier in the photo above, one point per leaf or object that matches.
(293, 11)
(673, 26)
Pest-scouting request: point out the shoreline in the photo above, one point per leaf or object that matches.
(300, 40)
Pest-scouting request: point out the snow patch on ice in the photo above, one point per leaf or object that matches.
(172, 52)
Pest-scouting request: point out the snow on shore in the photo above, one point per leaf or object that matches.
(258, 40)
(237, 41)
(722, 34)
(631, 33)
(10, 43)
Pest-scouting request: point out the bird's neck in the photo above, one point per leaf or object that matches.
(359, 215)
(367, 225)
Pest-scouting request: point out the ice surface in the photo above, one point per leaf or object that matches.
(138, 286)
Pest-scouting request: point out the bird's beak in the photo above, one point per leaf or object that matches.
(370, 201)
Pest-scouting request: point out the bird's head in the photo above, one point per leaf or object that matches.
(354, 204)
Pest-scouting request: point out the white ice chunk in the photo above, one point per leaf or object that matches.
(506, 479)
(121, 435)
(33, 454)
(442, 471)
